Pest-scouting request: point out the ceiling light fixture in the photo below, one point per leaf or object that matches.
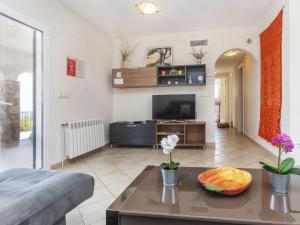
(147, 7)
(231, 53)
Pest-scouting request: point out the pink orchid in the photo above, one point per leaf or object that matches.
(283, 141)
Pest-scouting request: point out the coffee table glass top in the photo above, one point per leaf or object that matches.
(146, 196)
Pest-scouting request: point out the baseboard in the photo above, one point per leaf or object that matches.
(57, 166)
(211, 145)
(69, 161)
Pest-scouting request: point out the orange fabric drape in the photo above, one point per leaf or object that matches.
(271, 79)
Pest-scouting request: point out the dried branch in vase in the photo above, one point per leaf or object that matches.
(198, 54)
(126, 50)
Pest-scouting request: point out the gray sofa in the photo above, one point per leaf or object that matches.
(41, 197)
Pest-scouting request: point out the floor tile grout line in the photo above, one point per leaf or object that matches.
(102, 182)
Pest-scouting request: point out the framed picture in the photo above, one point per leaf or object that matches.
(158, 56)
(75, 67)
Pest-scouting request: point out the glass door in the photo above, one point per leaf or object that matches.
(21, 95)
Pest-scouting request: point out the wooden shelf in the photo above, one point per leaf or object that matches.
(180, 85)
(171, 76)
(166, 134)
(133, 78)
(191, 134)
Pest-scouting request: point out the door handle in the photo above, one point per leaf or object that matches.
(133, 125)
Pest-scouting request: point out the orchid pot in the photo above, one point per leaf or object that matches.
(279, 182)
(170, 169)
(169, 177)
(279, 175)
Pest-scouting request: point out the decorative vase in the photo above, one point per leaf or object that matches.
(199, 61)
(279, 183)
(169, 177)
(123, 64)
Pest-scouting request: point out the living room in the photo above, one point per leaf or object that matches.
(62, 102)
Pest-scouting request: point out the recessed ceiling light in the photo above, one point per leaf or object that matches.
(231, 53)
(147, 7)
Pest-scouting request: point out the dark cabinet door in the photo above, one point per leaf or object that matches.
(132, 134)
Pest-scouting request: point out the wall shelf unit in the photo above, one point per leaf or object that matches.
(185, 75)
(161, 76)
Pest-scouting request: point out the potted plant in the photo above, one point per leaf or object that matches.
(169, 170)
(279, 176)
(198, 54)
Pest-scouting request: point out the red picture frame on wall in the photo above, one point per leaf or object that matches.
(71, 67)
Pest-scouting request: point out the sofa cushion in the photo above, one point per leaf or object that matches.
(36, 197)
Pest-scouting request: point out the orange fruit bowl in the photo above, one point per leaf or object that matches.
(226, 180)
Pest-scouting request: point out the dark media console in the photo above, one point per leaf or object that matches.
(190, 133)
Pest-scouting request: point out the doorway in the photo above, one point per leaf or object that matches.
(21, 95)
(235, 69)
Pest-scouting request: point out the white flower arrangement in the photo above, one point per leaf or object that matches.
(168, 144)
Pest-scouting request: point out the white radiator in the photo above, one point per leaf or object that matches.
(83, 136)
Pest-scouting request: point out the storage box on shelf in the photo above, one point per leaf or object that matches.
(134, 77)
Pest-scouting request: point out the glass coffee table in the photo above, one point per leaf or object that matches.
(147, 202)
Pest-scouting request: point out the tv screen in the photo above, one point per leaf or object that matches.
(173, 107)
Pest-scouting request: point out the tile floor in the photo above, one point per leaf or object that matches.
(113, 169)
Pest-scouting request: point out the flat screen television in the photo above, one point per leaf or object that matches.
(173, 107)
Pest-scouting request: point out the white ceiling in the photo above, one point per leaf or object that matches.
(120, 16)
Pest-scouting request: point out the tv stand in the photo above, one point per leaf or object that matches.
(191, 134)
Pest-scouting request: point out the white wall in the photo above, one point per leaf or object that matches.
(235, 96)
(294, 58)
(224, 99)
(69, 35)
(139, 100)
(251, 96)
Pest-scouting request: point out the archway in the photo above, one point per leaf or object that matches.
(235, 77)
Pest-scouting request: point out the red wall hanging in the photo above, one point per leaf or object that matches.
(71, 67)
(271, 79)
